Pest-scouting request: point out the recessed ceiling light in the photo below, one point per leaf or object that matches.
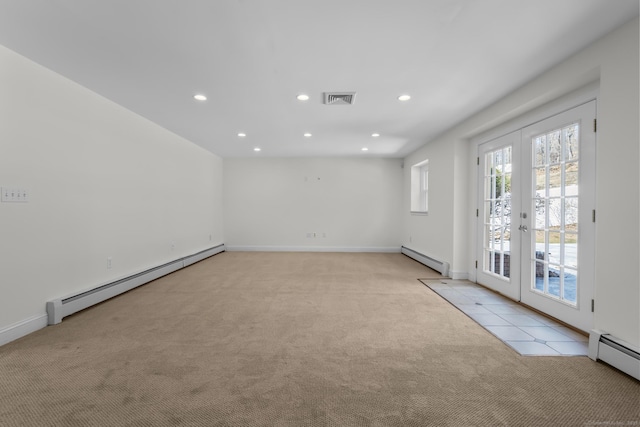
(375, 135)
(256, 149)
(303, 97)
(365, 149)
(307, 135)
(242, 135)
(404, 97)
(199, 97)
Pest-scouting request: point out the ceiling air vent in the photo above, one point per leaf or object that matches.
(339, 98)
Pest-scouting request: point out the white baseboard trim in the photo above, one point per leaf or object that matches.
(22, 328)
(384, 249)
(459, 275)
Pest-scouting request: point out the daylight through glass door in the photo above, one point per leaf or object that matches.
(497, 212)
(554, 201)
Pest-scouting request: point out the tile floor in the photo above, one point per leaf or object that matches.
(527, 332)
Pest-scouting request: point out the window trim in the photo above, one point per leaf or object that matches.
(420, 188)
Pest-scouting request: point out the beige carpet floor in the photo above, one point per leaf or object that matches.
(295, 339)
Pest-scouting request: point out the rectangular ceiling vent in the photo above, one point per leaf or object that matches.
(339, 98)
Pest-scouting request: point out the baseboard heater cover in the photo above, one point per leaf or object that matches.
(59, 308)
(441, 266)
(199, 256)
(615, 352)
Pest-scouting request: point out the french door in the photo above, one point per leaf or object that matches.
(536, 220)
(499, 257)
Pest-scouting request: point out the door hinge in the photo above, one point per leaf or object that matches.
(595, 125)
(478, 161)
(593, 305)
(593, 215)
(477, 213)
(476, 263)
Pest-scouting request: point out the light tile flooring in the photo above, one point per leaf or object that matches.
(527, 332)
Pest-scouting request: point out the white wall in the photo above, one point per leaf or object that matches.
(103, 182)
(271, 204)
(618, 205)
(613, 61)
(432, 234)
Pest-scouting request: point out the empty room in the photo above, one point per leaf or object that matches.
(319, 213)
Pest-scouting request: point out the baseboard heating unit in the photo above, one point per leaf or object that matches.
(615, 352)
(62, 307)
(440, 266)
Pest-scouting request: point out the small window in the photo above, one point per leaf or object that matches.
(420, 187)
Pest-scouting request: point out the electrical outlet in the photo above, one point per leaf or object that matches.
(109, 263)
(210, 237)
(173, 246)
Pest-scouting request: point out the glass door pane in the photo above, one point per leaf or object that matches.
(498, 265)
(558, 234)
(497, 212)
(555, 213)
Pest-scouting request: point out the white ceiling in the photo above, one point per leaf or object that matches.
(252, 57)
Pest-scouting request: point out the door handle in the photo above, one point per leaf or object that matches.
(523, 228)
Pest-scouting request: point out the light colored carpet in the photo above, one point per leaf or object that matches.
(295, 339)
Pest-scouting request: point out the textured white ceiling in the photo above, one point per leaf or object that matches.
(252, 57)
